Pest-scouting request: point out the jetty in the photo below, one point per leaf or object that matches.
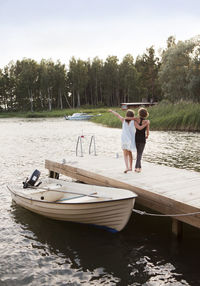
(165, 190)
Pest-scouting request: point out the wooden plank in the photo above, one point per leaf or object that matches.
(77, 172)
(149, 199)
(185, 197)
(70, 172)
(195, 203)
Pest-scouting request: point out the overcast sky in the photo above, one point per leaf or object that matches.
(60, 29)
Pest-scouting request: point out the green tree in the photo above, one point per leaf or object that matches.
(148, 66)
(173, 74)
(26, 74)
(128, 80)
(111, 81)
(47, 84)
(171, 42)
(78, 80)
(193, 76)
(95, 72)
(60, 83)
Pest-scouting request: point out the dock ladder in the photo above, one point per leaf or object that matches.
(79, 145)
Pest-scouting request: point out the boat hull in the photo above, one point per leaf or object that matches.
(79, 117)
(111, 214)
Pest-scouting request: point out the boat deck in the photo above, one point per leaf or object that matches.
(163, 189)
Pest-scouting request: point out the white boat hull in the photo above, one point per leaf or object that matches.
(81, 116)
(109, 213)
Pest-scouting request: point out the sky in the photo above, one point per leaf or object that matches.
(61, 29)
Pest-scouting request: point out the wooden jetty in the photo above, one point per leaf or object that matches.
(163, 189)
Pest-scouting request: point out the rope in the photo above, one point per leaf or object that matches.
(162, 215)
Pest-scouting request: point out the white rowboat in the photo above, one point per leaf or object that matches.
(107, 207)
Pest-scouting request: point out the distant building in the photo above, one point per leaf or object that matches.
(125, 106)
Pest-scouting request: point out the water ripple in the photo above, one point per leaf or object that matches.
(37, 251)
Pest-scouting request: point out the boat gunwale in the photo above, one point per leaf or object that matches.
(68, 203)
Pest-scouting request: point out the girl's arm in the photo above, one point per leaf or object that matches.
(140, 127)
(147, 130)
(131, 118)
(117, 115)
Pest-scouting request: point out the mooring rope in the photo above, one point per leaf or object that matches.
(163, 215)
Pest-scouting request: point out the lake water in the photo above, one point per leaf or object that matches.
(38, 251)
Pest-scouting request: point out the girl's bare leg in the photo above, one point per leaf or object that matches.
(130, 160)
(126, 160)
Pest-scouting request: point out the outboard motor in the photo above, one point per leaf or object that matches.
(33, 179)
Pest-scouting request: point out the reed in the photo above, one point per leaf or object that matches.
(165, 116)
(109, 120)
(182, 116)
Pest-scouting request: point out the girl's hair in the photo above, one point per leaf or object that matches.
(143, 113)
(129, 113)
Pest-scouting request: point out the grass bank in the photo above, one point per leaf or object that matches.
(164, 116)
(181, 116)
(53, 113)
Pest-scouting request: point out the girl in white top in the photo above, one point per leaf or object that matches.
(128, 137)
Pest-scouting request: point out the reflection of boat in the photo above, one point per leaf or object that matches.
(80, 116)
(102, 206)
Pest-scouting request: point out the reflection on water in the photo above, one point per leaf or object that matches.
(59, 249)
(61, 253)
(176, 149)
(38, 251)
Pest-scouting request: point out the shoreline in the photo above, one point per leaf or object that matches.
(163, 117)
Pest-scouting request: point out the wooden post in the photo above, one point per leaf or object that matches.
(53, 175)
(177, 228)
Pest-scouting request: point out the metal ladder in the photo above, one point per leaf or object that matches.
(92, 143)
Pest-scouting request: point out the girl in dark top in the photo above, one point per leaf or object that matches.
(141, 136)
(128, 136)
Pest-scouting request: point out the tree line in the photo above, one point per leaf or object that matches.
(175, 76)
